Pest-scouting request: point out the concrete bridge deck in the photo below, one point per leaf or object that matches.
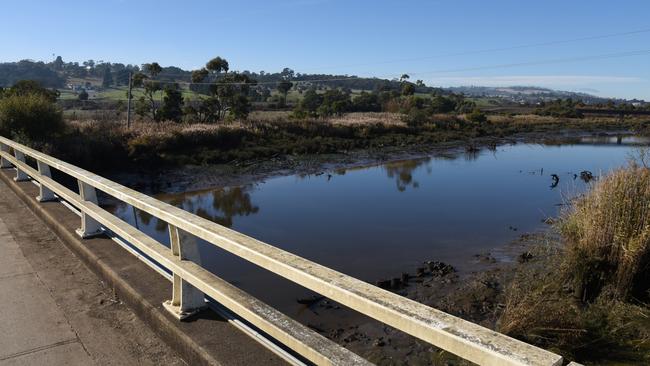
(55, 311)
(34, 329)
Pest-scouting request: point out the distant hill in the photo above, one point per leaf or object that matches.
(11, 72)
(75, 75)
(528, 94)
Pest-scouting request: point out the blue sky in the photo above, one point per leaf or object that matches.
(363, 37)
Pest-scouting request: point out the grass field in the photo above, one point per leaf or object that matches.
(294, 96)
(114, 94)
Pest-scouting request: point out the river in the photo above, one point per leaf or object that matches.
(378, 221)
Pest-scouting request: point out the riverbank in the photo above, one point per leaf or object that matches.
(579, 289)
(198, 177)
(190, 177)
(275, 145)
(477, 296)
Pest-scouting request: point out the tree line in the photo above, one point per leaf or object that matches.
(54, 74)
(416, 109)
(218, 93)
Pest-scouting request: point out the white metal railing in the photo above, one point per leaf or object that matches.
(191, 281)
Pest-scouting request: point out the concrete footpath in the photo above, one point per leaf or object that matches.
(33, 328)
(54, 311)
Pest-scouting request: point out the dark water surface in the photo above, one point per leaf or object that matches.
(376, 222)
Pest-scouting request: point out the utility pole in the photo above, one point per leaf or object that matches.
(128, 102)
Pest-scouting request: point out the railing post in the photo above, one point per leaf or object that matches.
(20, 175)
(89, 226)
(45, 193)
(186, 300)
(4, 163)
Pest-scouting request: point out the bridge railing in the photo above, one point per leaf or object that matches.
(191, 281)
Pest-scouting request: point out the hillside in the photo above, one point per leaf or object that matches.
(528, 94)
(105, 80)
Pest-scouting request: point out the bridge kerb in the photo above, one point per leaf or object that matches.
(89, 226)
(186, 299)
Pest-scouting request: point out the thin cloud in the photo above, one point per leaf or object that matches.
(539, 80)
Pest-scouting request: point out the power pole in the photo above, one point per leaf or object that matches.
(128, 102)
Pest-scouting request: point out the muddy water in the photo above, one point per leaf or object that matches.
(376, 222)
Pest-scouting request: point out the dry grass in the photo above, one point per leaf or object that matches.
(257, 137)
(269, 116)
(254, 120)
(588, 299)
(280, 118)
(533, 119)
(608, 233)
(147, 128)
(366, 118)
(274, 133)
(524, 119)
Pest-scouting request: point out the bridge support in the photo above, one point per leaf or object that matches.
(186, 300)
(89, 226)
(20, 175)
(4, 163)
(45, 194)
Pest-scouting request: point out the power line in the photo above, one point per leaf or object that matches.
(540, 44)
(545, 62)
(499, 49)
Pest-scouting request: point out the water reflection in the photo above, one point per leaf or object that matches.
(618, 139)
(402, 172)
(378, 221)
(220, 205)
(472, 154)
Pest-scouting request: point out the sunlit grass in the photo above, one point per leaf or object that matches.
(588, 298)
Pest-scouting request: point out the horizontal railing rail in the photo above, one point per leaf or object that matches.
(463, 338)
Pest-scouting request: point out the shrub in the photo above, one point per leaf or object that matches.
(309, 103)
(31, 116)
(147, 148)
(559, 108)
(172, 105)
(366, 102)
(83, 95)
(477, 116)
(441, 104)
(29, 87)
(415, 117)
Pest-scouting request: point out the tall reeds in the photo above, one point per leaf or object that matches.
(588, 297)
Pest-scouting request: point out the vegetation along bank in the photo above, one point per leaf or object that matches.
(216, 117)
